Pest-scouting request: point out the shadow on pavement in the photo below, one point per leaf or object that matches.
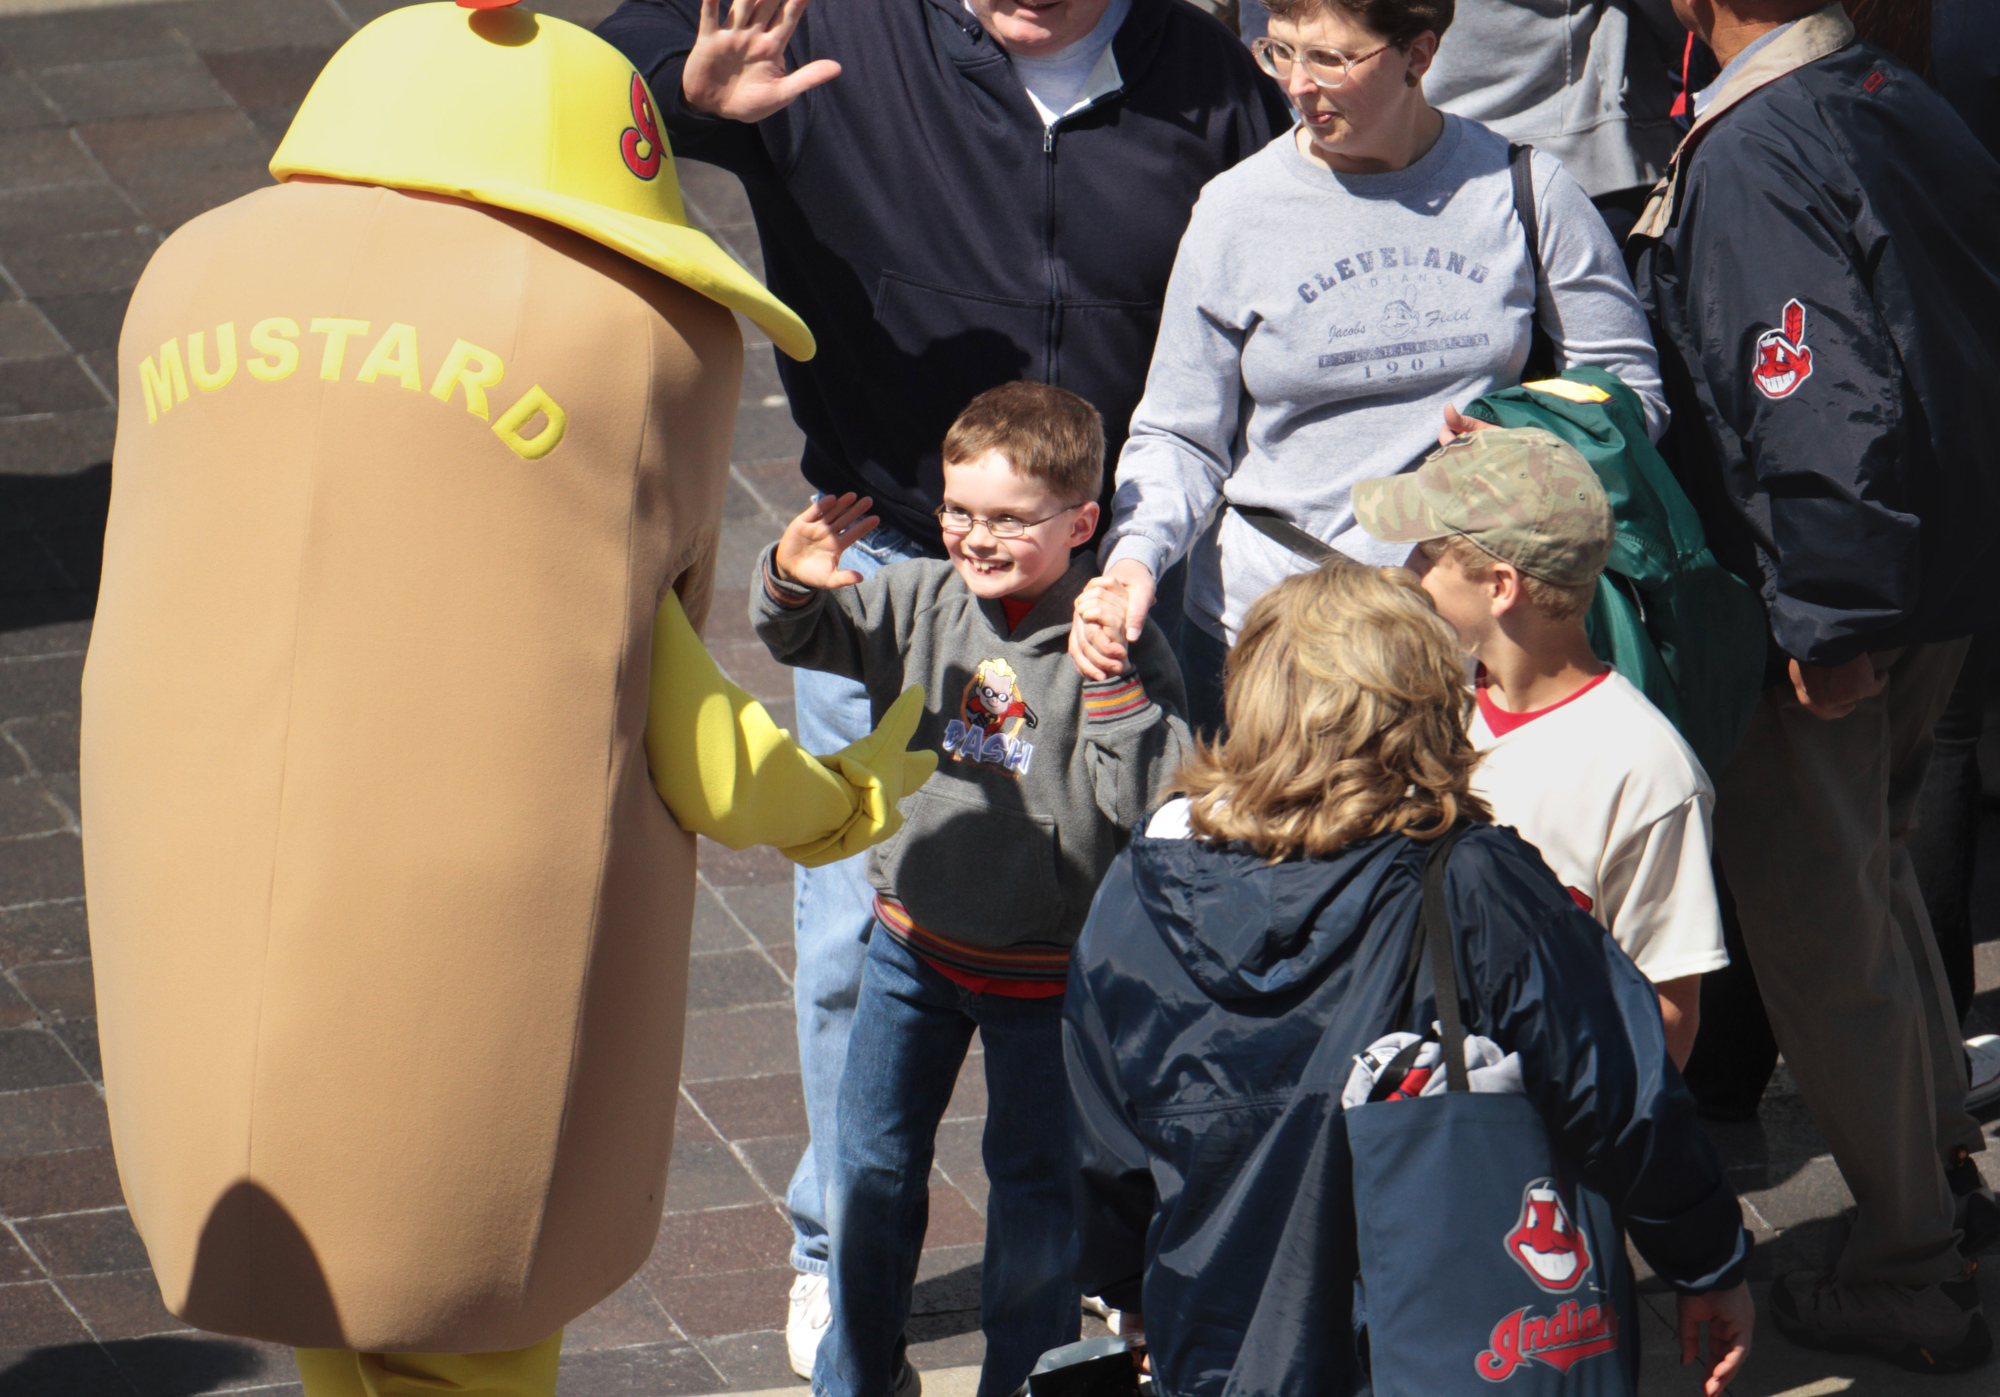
(942, 1307)
(161, 1367)
(51, 549)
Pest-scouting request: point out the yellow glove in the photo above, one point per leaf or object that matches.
(727, 771)
(880, 770)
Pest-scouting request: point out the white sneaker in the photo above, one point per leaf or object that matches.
(1982, 1055)
(810, 1313)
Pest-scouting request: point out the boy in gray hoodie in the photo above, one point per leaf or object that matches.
(982, 895)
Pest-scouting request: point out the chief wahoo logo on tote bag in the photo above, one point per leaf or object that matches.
(1485, 1262)
(1545, 1241)
(1555, 1253)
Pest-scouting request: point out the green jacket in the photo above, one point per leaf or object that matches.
(1668, 617)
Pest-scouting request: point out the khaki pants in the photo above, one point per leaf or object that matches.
(1812, 822)
(528, 1372)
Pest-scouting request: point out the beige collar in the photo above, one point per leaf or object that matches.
(1810, 39)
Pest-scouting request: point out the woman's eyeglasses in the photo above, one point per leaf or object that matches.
(954, 520)
(1324, 66)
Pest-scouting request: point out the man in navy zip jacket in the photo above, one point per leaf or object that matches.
(1823, 271)
(953, 194)
(939, 236)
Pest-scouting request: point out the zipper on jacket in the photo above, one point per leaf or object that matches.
(1049, 133)
(1049, 250)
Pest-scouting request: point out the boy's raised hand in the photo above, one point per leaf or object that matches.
(809, 552)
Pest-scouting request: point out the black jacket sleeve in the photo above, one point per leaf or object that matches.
(1587, 1026)
(1800, 368)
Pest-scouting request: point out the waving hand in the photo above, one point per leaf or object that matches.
(737, 67)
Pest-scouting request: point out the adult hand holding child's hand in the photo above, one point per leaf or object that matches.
(1097, 628)
(809, 551)
(1109, 614)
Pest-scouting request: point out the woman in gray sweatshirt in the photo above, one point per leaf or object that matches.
(1334, 296)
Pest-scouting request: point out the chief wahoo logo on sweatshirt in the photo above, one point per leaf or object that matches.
(992, 714)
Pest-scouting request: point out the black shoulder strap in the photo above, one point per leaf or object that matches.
(1286, 534)
(1433, 931)
(1444, 969)
(1520, 167)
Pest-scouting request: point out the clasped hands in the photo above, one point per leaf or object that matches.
(1111, 610)
(1109, 614)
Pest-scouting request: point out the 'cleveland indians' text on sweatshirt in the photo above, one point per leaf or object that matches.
(1315, 328)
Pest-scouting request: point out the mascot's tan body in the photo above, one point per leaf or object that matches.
(391, 927)
(395, 726)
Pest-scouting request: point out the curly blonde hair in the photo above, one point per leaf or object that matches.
(1347, 704)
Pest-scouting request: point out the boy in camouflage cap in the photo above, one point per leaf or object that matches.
(1512, 530)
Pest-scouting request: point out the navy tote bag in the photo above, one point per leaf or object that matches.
(1486, 1266)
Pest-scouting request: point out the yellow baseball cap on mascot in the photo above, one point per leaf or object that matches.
(524, 112)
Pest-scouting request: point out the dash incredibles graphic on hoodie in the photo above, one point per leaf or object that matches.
(992, 714)
(1547, 1244)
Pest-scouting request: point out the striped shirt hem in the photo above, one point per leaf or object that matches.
(782, 590)
(1030, 962)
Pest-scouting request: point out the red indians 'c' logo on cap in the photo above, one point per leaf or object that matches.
(1545, 1241)
(1783, 361)
(645, 130)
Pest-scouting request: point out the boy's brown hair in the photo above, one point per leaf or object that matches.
(1554, 602)
(1398, 21)
(1051, 436)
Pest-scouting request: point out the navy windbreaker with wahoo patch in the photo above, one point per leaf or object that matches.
(1826, 300)
(1215, 1006)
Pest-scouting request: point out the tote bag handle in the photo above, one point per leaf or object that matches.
(1434, 934)
(1444, 964)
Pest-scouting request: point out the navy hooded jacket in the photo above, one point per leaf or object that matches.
(938, 241)
(1826, 299)
(1216, 1003)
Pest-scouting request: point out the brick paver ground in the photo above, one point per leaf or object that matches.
(117, 125)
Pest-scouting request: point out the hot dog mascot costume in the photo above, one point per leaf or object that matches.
(396, 729)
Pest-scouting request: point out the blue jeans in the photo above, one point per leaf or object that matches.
(831, 916)
(911, 1030)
